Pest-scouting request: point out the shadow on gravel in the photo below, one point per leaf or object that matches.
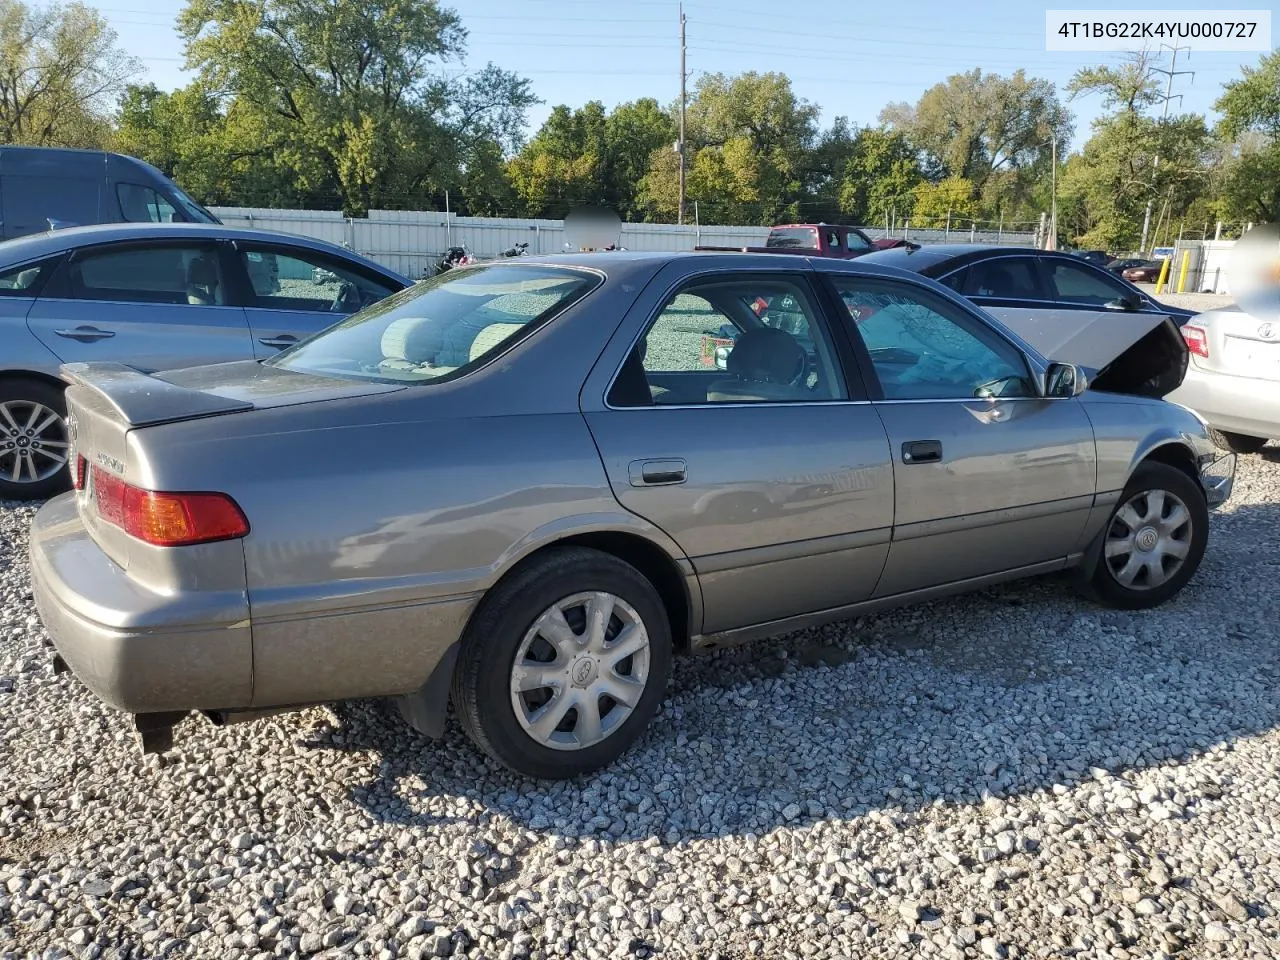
(1005, 692)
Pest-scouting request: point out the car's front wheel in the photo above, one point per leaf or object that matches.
(33, 440)
(1237, 442)
(1154, 540)
(564, 664)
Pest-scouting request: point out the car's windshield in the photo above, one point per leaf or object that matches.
(194, 211)
(441, 327)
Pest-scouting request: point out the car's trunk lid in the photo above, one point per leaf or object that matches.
(108, 401)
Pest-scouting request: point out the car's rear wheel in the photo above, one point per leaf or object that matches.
(1237, 442)
(1154, 539)
(564, 664)
(33, 440)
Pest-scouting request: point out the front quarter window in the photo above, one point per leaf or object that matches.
(440, 328)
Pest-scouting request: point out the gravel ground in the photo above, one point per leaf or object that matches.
(1191, 301)
(1011, 774)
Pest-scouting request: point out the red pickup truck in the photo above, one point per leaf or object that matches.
(817, 240)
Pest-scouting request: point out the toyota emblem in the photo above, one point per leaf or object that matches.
(1264, 331)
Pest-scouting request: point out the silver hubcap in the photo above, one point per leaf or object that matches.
(33, 441)
(1149, 538)
(580, 671)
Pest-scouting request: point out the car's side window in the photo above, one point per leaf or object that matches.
(923, 348)
(286, 278)
(854, 243)
(139, 204)
(23, 281)
(745, 340)
(168, 274)
(1079, 284)
(1012, 278)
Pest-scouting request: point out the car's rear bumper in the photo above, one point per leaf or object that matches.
(1247, 405)
(140, 651)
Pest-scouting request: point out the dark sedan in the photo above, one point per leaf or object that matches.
(1021, 278)
(1148, 272)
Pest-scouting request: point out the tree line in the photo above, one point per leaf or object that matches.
(354, 105)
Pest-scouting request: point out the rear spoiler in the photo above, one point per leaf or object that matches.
(141, 400)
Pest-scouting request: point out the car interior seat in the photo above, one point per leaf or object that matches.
(765, 364)
(202, 281)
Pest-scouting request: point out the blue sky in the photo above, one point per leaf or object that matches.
(850, 58)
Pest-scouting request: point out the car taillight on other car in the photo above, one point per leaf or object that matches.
(165, 519)
(1197, 340)
(77, 475)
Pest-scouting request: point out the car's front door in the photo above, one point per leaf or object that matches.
(772, 474)
(292, 292)
(154, 305)
(989, 476)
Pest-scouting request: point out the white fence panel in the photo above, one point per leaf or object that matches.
(412, 241)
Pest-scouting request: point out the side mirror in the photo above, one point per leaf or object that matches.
(722, 358)
(1128, 304)
(1064, 380)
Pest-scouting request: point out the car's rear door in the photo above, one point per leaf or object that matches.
(290, 292)
(153, 305)
(778, 490)
(989, 476)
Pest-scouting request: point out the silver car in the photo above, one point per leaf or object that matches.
(154, 296)
(1233, 380)
(522, 487)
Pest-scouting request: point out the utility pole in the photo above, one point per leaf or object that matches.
(1168, 95)
(680, 143)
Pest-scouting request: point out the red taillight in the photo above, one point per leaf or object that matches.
(1197, 340)
(77, 475)
(167, 519)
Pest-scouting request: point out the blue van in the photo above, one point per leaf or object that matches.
(46, 188)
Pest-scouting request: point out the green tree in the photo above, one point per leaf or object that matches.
(634, 131)
(948, 201)
(60, 72)
(977, 126)
(1105, 189)
(748, 142)
(349, 94)
(1250, 126)
(880, 177)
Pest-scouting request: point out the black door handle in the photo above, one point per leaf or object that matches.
(280, 342)
(922, 451)
(657, 473)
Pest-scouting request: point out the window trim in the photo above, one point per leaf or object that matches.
(237, 248)
(56, 283)
(841, 349)
(875, 389)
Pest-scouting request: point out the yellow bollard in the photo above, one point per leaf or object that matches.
(1182, 276)
(1164, 275)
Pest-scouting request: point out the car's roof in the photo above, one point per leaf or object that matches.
(615, 263)
(932, 259)
(37, 245)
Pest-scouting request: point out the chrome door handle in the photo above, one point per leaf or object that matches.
(922, 451)
(280, 342)
(657, 473)
(85, 334)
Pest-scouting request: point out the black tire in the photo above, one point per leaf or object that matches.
(1236, 442)
(482, 694)
(1103, 585)
(21, 391)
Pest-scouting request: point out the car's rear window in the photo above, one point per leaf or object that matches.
(443, 327)
(793, 238)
